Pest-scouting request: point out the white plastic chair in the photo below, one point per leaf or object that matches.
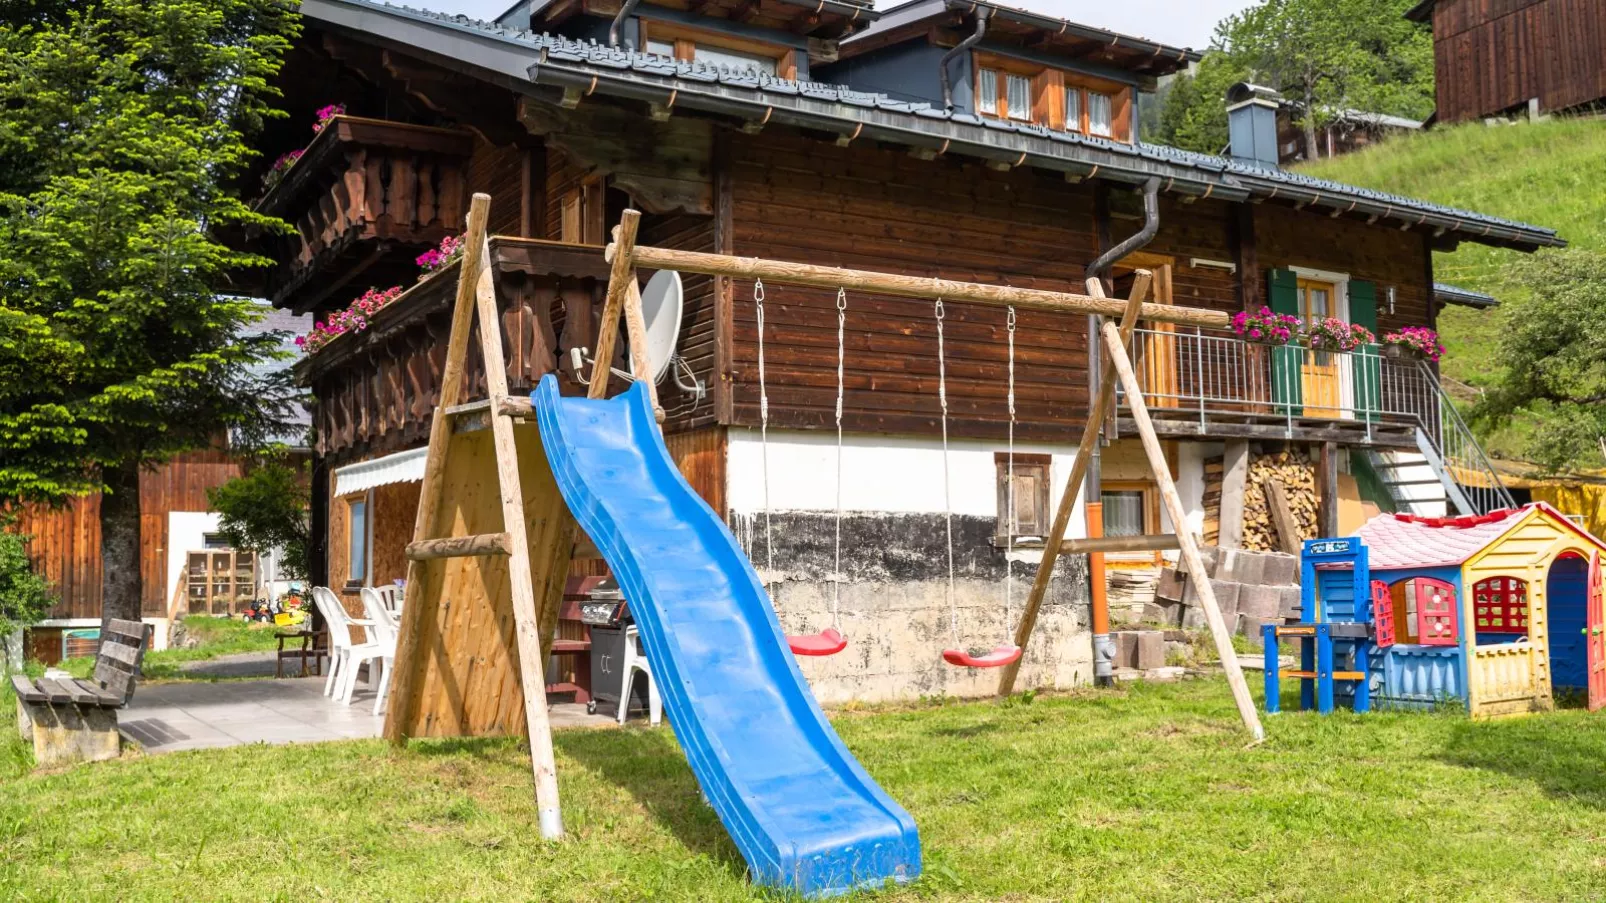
(345, 656)
(385, 631)
(391, 597)
(636, 660)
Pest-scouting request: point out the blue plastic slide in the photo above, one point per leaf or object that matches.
(801, 809)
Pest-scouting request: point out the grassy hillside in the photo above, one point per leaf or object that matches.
(1549, 174)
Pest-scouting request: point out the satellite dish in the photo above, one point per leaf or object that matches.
(661, 304)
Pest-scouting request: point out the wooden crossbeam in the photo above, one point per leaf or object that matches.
(1084, 456)
(460, 547)
(1159, 542)
(902, 286)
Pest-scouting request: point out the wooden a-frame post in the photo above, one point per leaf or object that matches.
(476, 292)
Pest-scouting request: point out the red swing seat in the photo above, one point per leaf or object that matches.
(829, 641)
(1006, 654)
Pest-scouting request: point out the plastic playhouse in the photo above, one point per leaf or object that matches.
(1496, 612)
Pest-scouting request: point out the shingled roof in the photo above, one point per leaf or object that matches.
(513, 56)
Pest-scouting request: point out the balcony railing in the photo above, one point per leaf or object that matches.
(1189, 373)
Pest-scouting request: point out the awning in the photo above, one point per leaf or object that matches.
(402, 467)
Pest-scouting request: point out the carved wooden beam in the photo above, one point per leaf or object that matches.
(665, 166)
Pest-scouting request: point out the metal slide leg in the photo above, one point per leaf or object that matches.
(1268, 637)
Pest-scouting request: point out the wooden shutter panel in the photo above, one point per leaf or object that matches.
(1368, 368)
(1383, 613)
(1436, 621)
(1286, 385)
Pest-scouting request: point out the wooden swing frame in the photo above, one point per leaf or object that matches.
(537, 545)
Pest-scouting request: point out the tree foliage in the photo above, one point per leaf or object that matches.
(121, 124)
(266, 510)
(25, 596)
(1554, 355)
(1328, 56)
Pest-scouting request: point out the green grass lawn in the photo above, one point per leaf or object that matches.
(216, 636)
(1146, 793)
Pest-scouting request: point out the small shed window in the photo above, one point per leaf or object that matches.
(1029, 476)
(357, 510)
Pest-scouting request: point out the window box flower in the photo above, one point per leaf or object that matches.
(1333, 334)
(1265, 327)
(1413, 342)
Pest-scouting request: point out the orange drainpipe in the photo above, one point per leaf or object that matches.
(1103, 644)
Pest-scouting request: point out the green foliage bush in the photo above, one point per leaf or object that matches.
(24, 595)
(265, 510)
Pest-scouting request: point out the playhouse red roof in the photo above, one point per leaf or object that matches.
(1396, 541)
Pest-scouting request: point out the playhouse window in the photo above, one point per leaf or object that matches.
(1424, 612)
(1500, 605)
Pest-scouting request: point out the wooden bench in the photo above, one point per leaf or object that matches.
(76, 720)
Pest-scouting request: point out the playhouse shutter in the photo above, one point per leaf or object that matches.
(1283, 287)
(1383, 613)
(1368, 367)
(1435, 613)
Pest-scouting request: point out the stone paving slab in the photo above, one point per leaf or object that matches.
(198, 715)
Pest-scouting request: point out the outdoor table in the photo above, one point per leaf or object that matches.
(312, 644)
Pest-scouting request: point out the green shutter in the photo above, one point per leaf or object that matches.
(1368, 367)
(1286, 388)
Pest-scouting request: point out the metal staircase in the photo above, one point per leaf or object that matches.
(1448, 473)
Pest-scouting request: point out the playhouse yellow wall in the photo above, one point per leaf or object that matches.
(1515, 678)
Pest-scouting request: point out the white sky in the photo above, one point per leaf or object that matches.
(1184, 23)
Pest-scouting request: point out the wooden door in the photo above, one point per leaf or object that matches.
(1595, 647)
(1158, 362)
(1320, 384)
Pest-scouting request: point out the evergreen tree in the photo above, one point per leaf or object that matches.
(122, 125)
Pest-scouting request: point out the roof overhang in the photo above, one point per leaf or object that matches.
(551, 69)
(1422, 12)
(1183, 55)
(1450, 294)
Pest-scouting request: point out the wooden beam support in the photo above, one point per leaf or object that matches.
(1234, 478)
(621, 274)
(1115, 347)
(636, 328)
(1073, 488)
(460, 547)
(409, 663)
(908, 286)
(1282, 517)
(1161, 542)
(1327, 489)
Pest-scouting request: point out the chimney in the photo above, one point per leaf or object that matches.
(1252, 123)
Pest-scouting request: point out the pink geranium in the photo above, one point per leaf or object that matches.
(280, 167)
(450, 249)
(1333, 334)
(1417, 339)
(354, 318)
(325, 115)
(1266, 326)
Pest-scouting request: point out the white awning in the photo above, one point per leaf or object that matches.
(402, 467)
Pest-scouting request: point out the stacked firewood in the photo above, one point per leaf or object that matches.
(1297, 474)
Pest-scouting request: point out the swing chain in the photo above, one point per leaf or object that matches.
(841, 345)
(764, 431)
(1009, 479)
(947, 500)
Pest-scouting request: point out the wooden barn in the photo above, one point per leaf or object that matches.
(940, 138)
(1499, 57)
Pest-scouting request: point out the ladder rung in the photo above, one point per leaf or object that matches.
(460, 547)
(1311, 675)
(1413, 483)
(468, 407)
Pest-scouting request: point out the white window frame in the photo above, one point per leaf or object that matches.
(1346, 366)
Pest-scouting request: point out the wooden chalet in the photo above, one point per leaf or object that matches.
(1501, 57)
(941, 138)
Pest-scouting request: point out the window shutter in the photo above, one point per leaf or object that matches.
(1435, 613)
(1383, 613)
(1286, 385)
(1368, 367)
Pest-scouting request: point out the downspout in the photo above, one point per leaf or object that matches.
(1103, 644)
(625, 9)
(982, 14)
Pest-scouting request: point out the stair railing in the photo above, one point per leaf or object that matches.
(1460, 452)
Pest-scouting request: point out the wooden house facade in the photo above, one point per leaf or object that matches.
(819, 132)
(1498, 57)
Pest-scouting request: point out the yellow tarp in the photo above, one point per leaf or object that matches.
(1588, 500)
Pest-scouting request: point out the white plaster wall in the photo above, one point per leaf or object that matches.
(186, 532)
(886, 474)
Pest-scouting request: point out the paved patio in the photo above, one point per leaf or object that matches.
(194, 715)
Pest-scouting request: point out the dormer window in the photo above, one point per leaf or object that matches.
(740, 54)
(1027, 92)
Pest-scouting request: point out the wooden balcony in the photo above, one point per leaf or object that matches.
(376, 390)
(366, 198)
(1208, 383)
